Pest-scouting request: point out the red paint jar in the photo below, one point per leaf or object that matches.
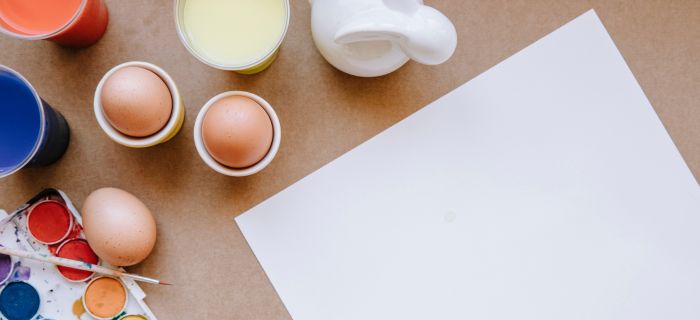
(84, 26)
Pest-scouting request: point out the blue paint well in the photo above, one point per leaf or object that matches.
(20, 121)
(19, 301)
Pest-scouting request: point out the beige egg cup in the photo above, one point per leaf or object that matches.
(238, 172)
(172, 127)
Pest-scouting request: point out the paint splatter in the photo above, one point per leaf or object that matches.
(78, 309)
(16, 233)
(21, 273)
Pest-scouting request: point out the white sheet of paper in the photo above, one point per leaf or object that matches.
(545, 188)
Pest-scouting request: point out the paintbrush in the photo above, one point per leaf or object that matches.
(75, 264)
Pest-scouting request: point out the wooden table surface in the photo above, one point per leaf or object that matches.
(324, 113)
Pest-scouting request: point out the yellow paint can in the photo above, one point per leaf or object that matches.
(238, 35)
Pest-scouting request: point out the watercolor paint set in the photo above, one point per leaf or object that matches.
(49, 224)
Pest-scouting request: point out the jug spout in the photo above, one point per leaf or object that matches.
(423, 33)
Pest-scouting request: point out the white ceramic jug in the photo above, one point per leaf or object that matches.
(370, 38)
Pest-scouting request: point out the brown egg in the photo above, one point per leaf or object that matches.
(118, 226)
(136, 101)
(237, 131)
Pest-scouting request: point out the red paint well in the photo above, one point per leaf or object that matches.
(49, 221)
(76, 232)
(76, 249)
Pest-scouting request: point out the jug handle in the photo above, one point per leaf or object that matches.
(426, 35)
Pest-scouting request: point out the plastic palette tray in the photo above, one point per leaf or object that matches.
(60, 298)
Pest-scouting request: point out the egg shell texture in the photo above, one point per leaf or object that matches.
(118, 226)
(237, 131)
(136, 101)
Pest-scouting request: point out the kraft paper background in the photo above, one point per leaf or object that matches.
(324, 113)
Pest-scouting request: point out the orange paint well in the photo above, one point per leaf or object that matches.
(105, 297)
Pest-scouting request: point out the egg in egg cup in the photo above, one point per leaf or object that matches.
(172, 126)
(207, 157)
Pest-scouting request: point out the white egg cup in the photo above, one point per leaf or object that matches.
(238, 172)
(177, 116)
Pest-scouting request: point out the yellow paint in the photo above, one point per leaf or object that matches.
(78, 309)
(133, 317)
(235, 33)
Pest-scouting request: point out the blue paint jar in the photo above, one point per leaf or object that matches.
(32, 133)
(19, 301)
